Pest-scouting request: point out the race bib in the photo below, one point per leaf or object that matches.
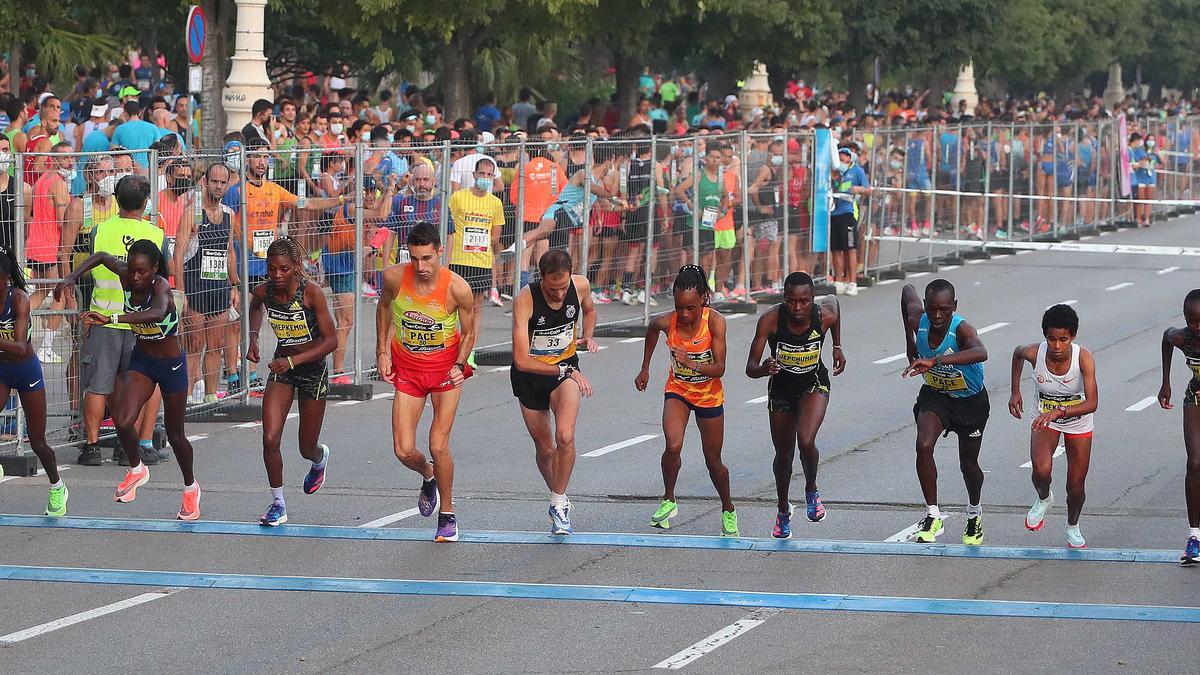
(947, 380)
(1048, 402)
(214, 265)
(798, 359)
(685, 374)
(552, 341)
(147, 331)
(422, 338)
(709, 219)
(290, 328)
(476, 239)
(262, 240)
(1193, 362)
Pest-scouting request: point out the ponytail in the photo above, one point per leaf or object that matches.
(9, 266)
(153, 254)
(692, 277)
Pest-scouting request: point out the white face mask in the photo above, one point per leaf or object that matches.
(336, 128)
(67, 174)
(162, 182)
(6, 161)
(107, 185)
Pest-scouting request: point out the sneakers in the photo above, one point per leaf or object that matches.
(1001, 235)
(447, 529)
(930, 528)
(1036, 518)
(662, 517)
(600, 298)
(973, 532)
(560, 519)
(275, 516)
(627, 298)
(190, 509)
(783, 524)
(316, 477)
(816, 508)
(891, 231)
(729, 526)
(1191, 552)
(56, 503)
(1075, 537)
(644, 299)
(196, 397)
(369, 291)
(427, 500)
(506, 294)
(90, 455)
(494, 298)
(127, 490)
(148, 454)
(852, 288)
(341, 379)
(48, 355)
(839, 288)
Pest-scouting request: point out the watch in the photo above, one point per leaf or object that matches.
(462, 367)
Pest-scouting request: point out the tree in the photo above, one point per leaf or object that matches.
(55, 36)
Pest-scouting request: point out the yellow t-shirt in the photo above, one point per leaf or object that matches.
(474, 218)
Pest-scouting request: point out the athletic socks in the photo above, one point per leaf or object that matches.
(557, 499)
(146, 445)
(191, 488)
(933, 511)
(321, 464)
(1194, 532)
(55, 486)
(974, 510)
(277, 495)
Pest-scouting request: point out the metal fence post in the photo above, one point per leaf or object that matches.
(360, 264)
(243, 364)
(784, 207)
(696, 200)
(745, 187)
(519, 227)
(652, 207)
(445, 189)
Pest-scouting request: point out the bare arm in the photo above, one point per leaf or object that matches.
(383, 319)
(911, 308)
(831, 318)
(584, 290)
(974, 351)
(1021, 355)
(657, 326)
(461, 292)
(1170, 340)
(160, 301)
(755, 367)
(522, 360)
(19, 346)
(315, 298)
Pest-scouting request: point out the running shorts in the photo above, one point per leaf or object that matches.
(533, 389)
(791, 404)
(310, 380)
(843, 232)
(966, 416)
(478, 278)
(169, 374)
(22, 376)
(701, 413)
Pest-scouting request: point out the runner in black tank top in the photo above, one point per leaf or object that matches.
(1187, 341)
(545, 340)
(798, 391)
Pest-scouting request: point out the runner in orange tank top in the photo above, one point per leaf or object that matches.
(425, 330)
(696, 338)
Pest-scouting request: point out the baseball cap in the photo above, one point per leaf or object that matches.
(99, 109)
(115, 113)
(128, 91)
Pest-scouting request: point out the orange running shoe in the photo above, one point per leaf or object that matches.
(127, 490)
(190, 510)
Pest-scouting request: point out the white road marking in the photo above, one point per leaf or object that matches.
(757, 400)
(1142, 404)
(1168, 270)
(735, 315)
(501, 369)
(292, 416)
(708, 644)
(197, 437)
(599, 452)
(918, 275)
(246, 425)
(387, 520)
(39, 472)
(950, 267)
(1026, 252)
(1086, 237)
(885, 282)
(1064, 302)
(991, 327)
(907, 533)
(345, 403)
(50, 626)
(976, 262)
(1117, 287)
(386, 394)
(632, 340)
(1058, 452)
(893, 357)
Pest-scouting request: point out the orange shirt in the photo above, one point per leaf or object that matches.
(45, 232)
(700, 390)
(264, 206)
(426, 333)
(544, 181)
(729, 181)
(341, 235)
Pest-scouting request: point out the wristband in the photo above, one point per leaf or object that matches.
(837, 346)
(291, 366)
(937, 360)
(254, 332)
(462, 367)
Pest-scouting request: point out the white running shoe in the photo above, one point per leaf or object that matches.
(48, 355)
(1075, 537)
(852, 288)
(1037, 513)
(627, 298)
(839, 288)
(494, 298)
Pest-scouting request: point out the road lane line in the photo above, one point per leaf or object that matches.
(599, 452)
(389, 519)
(1068, 303)
(991, 327)
(918, 275)
(345, 403)
(889, 359)
(627, 341)
(1058, 452)
(1142, 404)
(197, 437)
(949, 267)
(735, 315)
(1168, 270)
(710, 643)
(386, 394)
(1117, 287)
(501, 369)
(51, 626)
(885, 282)
(38, 472)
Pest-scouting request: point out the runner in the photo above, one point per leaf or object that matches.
(20, 370)
(693, 386)
(545, 337)
(424, 331)
(798, 391)
(158, 359)
(1187, 341)
(299, 316)
(1066, 401)
(953, 398)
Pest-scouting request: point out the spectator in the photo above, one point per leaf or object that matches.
(136, 134)
(487, 115)
(524, 108)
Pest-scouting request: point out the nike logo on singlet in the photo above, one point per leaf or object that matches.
(34, 384)
(177, 367)
(1065, 380)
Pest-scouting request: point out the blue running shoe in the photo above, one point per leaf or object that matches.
(447, 528)
(1191, 553)
(783, 524)
(275, 516)
(816, 508)
(560, 519)
(427, 500)
(316, 477)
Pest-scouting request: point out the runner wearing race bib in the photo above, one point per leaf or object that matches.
(1187, 341)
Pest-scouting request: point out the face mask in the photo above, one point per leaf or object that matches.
(895, 164)
(6, 161)
(484, 184)
(234, 162)
(181, 185)
(278, 133)
(411, 129)
(479, 149)
(162, 183)
(107, 186)
(688, 150)
(1150, 143)
(777, 159)
(430, 120)
(552, 147)
(67, 174)
(336, 128)
(391, 138)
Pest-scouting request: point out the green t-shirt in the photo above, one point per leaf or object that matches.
(669, 91)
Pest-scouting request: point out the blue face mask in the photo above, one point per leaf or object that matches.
(687, 151)
(484, 184)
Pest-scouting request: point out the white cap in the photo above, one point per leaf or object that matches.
(115, 113)
(43, 96)
(486, 137)
(730, 99)
(99, 109)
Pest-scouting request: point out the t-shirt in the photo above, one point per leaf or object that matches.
(855, 176)
(669, 91)
(474, 219)
(137, 135)
(407, 211)
(544, 182)
(522, 111)
(486, 116)
(264, 206)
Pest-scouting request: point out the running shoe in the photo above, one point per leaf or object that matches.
(190, 509)
(447, 529)
(90, 455)
(506, 294)
(1191, 552)
(316, 477)
(662, 517)
(839, 288)
(56, 504)
(739, 292)
(341, 379)
(275, 516)
(627, 298)
(1037, 513)
(1075, 537)
(560, 519)
(644, 299)
(1001, 235)
(369, 291)
(427, 500)
(930, 528)
(127, 490)
(494, 298)
(816, 508)
(211, 398)
(973, 532)
(852, 288)
(718, 297)
(471, 359)
(48, 355)
(729, 527)
(600, 298)
(891, 231)
(783, 524)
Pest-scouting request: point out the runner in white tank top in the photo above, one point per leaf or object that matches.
(1064, 376)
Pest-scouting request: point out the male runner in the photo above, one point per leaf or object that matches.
(953, 397)
(1187, 341)
(545, 318)
(425, 329)
(798, 391)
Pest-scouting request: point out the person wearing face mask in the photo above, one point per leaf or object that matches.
(8, 197)
(336, 136)
(433, 116)
(1144, 162)
(843, 221)
(51, 198)
(478, 217)
(766, 195)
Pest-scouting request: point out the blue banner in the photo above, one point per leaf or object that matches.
(821, 191)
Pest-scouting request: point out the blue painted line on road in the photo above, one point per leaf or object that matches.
(603, 539)
(666, 596)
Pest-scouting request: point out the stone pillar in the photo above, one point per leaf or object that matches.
(756, 93)
(1114, 93)
(248, 79)
(964, 89)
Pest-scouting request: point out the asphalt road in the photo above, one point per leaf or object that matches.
(511, 599)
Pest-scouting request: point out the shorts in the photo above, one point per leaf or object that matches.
(606, 232)
(791, 404)
(1064, 179)
(681, 222)
(948, 180)
(916, 181)
(41, 270)
(343, 282)
(23, 376)
(310, 380)
(999, 180)
(421, 383)
(1191, 396)
(767, 230)
(708, 242)
(966, 416)
(724, 240)
(1047, 168)
(799, 220)
(637, 223)
(508, 235)
(843, 232)
(169, 374)
(1085, 181)
(209, 302)
(478, 278)
(533, 389)
(701, 413)
(563, 225)
(106, 354)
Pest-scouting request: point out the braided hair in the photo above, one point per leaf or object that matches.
(692, 278)
(290, 248)
(9, 266)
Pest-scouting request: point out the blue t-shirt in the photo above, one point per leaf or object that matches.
(854, 176)
(97, 141)
(948, 164)
(137, 135)
(407, 211)
(486, 116)
(953, 381)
